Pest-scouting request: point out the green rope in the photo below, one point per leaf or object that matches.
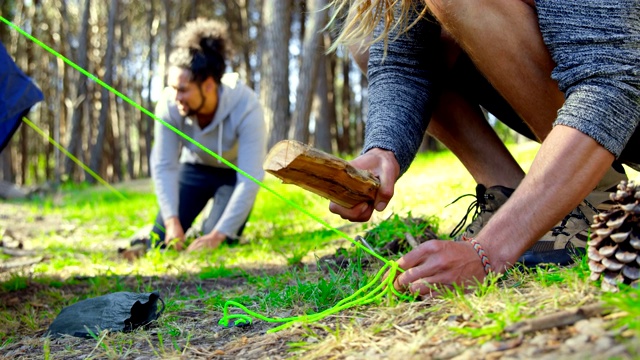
(386, 287)
(76, 160)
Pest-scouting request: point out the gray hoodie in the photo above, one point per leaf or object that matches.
(237, 133)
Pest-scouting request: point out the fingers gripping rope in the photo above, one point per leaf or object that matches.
(357, 298)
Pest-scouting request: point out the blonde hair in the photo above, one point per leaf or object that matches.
(364, 15)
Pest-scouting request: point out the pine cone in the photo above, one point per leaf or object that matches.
(614, 248)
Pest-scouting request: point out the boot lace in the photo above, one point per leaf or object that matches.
(577, 214)
(476, 207)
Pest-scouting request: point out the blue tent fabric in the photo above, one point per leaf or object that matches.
(17, 95)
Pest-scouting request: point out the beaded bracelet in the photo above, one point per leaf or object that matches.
(481, 253)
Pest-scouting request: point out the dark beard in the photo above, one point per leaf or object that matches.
(194, 112)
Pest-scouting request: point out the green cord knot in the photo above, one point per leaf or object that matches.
(361, 297)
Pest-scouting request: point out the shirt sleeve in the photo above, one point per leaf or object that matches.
(164, 160)
(403, 89)
(596, 46)
(252, 148)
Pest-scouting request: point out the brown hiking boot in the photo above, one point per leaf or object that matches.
(564, 241)
(599, 197)
(568, 239)
(558, 246)
(487, 202)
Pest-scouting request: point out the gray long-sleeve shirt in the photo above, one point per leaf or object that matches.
(237, 133)
(595, 44)
(403, 87)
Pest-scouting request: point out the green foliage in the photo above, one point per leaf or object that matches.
(14, 283)
(628, 301)
(295, 247)
(395, 227)
(221, 271)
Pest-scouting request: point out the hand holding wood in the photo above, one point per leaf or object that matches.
(324, 174)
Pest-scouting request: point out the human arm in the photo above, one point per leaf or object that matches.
(208, 241)
(598, 72)
(567, 167)
(403, 88)
(250, 139)
(165, 167)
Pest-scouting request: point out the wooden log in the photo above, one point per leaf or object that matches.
(324, 174)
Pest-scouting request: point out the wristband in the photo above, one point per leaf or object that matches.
(486, 264)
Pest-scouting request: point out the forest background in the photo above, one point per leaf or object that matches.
(308, 95)
(280, 51)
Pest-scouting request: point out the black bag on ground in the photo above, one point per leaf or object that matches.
(121, 311)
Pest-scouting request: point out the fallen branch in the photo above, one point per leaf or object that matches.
(411, 240)
(17, 252)
(559, 319)
(20, 263)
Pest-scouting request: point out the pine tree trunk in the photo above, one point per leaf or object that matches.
(78, 95)
(274, 79)
(324, 109)
(103, 119)
(311, 52)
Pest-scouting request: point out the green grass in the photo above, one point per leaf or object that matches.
(273, 271)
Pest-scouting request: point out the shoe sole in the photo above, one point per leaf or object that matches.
(560, 257)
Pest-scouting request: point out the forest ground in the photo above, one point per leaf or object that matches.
(545, 313)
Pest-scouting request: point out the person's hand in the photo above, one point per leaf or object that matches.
(383, 165)
(174, 234)
(209, 241)
(437, 264)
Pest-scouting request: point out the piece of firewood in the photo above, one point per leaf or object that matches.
(324, 174)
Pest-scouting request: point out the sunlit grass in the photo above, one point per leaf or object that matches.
(275, 265)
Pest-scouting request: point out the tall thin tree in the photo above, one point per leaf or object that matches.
(103, 119)
(78, 93)
(274, 74)
(323, 105)
(311, 51)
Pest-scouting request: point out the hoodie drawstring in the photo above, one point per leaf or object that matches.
(220, 141)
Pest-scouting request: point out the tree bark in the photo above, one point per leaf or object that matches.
(78, 94)
(321, 173)
(146, 125)
(6, 163)
(61, 121)
(345, 102)
(237, 17)
(323, 107)
(311, 52)
(103, 119)
(27, 67)
(274, 79)
(167, 39)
